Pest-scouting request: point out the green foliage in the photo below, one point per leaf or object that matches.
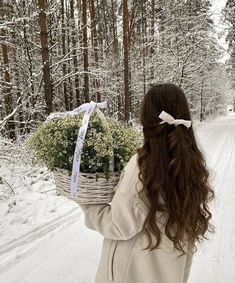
(54, 143)
(126, 141)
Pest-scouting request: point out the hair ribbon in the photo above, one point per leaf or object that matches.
(167, 118)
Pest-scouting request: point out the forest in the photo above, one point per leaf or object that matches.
(57, 54)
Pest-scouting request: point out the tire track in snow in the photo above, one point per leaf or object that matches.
(40, 231)
(224, 196)
(218, 212)
(70, 256)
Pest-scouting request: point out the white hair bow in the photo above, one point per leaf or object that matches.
(167, 118)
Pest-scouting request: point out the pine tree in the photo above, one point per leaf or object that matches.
(42, 4)
(77, 50)
(63, 39)
(7, 78)
(126, 45)
(85, 50)
(229, 15)
(95, 45)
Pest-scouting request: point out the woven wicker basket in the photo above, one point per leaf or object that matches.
(92, 189)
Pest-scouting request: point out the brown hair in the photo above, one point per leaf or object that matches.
(173, 171)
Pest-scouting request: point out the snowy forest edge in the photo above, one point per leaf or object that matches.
(57, 55)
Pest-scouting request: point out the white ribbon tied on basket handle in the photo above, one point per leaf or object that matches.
(167, 118)
(88, 108)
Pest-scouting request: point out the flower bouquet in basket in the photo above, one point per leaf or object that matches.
(108, 146)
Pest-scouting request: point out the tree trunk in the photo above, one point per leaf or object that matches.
(116, 55)
(68, 37)
(114, 28)
(75, 60)
(64, 68)
(144, 39)
(30, 69)
(17, 80)
(7, 86)
(95, 45)
(85, 50)
(126, 60)
(152, 36)
(202, 102)
(45, 56)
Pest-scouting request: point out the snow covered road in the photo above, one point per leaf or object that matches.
(70, 254)
(215, 260)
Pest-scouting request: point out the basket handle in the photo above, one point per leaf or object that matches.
(88, 108)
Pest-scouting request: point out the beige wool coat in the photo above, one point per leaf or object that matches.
(123, 259)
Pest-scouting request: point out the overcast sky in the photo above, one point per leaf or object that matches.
(217, 6)
(218, 3)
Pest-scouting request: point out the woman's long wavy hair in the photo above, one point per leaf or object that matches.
(173, 171)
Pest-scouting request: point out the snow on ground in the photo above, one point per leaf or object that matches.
(69, 254)
(43, 238)
(37, 211)
(215, 260)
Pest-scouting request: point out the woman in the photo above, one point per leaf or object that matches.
(159, 211)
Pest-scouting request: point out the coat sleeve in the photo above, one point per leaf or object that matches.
(121, 220)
